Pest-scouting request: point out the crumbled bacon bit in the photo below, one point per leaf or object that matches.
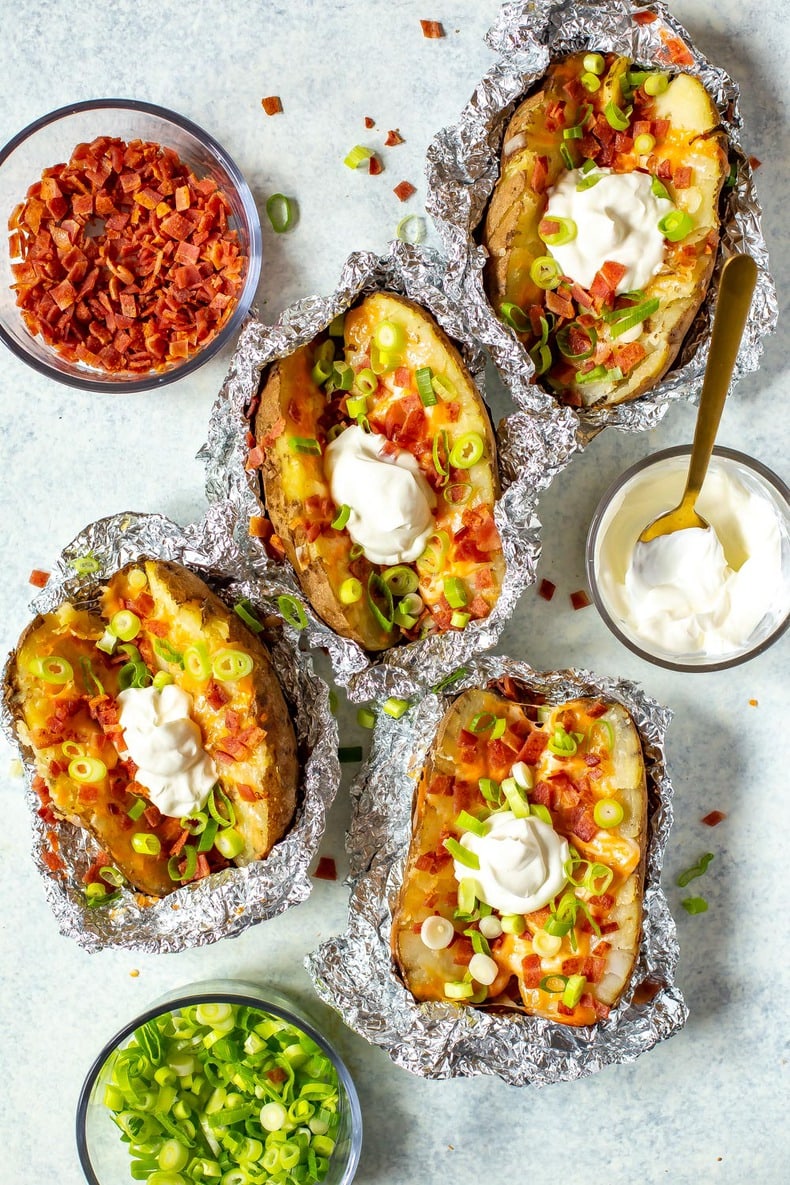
(375, 166)
(713, 818)
(644, 18)
(674, 50)
(38, 578)
(404, 191)
(432, 29)
(326, 869)
(272, 104)
(579, 599)
(154, 285)
(547, 590)
(369, 123)
(754, 162)
(260, 526)
(393, 137)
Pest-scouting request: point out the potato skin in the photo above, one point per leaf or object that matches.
(296, 489)
(531, 164)
(448, 783)
(261, 784)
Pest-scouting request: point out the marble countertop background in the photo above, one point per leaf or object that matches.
(710, 1104)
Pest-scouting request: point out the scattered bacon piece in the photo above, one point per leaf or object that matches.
(38, 578)
(540, 173)
(753, 703)
(674, 50)
(326, 870)
(393, 137)
(713, 818)
(754, 162)
(547, 590)
(260, 526)
(580, 600)
(404, 190)
(681, 178)
(432, 29)
(644, 18)
(369, 123)
(272, 104)
(375, 166)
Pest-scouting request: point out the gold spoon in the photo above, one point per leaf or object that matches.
(738, 277)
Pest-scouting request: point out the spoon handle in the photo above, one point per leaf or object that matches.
(738, 278)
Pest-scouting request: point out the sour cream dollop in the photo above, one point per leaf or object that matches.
(696, 592)
(390, 501)
(617, 219)
(165, 744)
(522, 862)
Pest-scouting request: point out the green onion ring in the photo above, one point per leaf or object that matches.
(281, 212)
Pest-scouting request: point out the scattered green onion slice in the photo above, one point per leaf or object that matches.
(574, 133)
(644, 143)
(111, 875)
(220, 807)
(449, 680)
(356, 156)
(608, 812)
(382, 362)
(281, 211)
(337, 325)
(555, 984)
(305, 444)
(85, 565)
(380, 601)
(457, 492)
(590, 82)
(592, 376)
(455, 592)
(594, 63)
(196, 823)
(411, 229)
(93, 685)
(424, 380)
(229, 665)
(562, 743)
(245, 611)
(137, 808)
(514, 798)
(564, 341)
(513, 923)
(292, 611)
(432, 559)
(350, 591)
(696, 870)
(566, 231)
(52, 669)
(541, 358)
(366, 382)
(624, 319)
(574, 989)
(441, 453)
(321, 372)
(588, 181)
(366, 718)
(616, 117)
(458, 990)
(659, 190)
(197, 662)
(443, 388)
(656, 84)
(481, 722)
(567, 157)
(125, 625)
(695, 905)
(546, 273)
(342, 517)
(87, 770)
(466, 822)
(168, 652)
(342, 376)
(459, 621)
(500, 726)
(356, 406)
(389, 336)
(395, 707)
(541, 812)
(146, 843)
(400, 579)
(675, 225)
(207, 836)
(491, 790)
(461, 854)
(467, 450)
(107, 642)
(514, 316)
(229, 843)
(467, 894)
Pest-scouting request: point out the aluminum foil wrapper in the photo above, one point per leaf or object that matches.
(224, 904)
(532, 450)
(463, 167)
(354, 973)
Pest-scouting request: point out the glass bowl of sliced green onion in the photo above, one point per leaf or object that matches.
(222, 1083)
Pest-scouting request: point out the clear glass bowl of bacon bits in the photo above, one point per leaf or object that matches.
(133, 249)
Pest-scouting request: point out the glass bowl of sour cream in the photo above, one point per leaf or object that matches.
(696, 600)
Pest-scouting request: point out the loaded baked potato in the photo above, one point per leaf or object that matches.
(523, 882)
(156, 723)
(603, 227)
(379, 475)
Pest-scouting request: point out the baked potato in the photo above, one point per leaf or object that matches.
(379, 476)
(523, 882)
(157, 723)
(603, 227)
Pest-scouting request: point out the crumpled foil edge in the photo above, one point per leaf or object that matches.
(463, 167)
(354, 972)
(532, 450)
(226, 903)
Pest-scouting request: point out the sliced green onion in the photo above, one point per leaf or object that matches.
(395, 707)
(337, 325)
(567, 157)
(87, 770)
(401, 579)
(695, 905)
(220, 807)
(458, 990)
(632, 316)
(350, 591)
(320, 374)
(137, 808)
(197, 662)
(574, 989)
(305, 444)
(541, 358)
(449, 680)
(111, 875)
(389, 336)
(514, 316)
(411, 229)
(292, 611)
(467, 891)
(564, 341)
(125, 625)
(644, 143)
(598, 878)
(500, 725)
(229, 843)
(457, 493)
(555, 984)
(52, 669)
(443, 387)
(356, 406)
(546, 273)
(481, 722)
(85, 565)
(636, 78)
(366, 718)
(562, 743)
(342, 376)
(466, 822)
(588, 181)
(245, 611)
(93, 685)
(658, 190)
(513, 923)
(656, 84)
(490, 790)
(608, 812)
(594, 63)
(145, 843)
(366, 382)
(410, 605)
(380, 601)
(675, 225)
(107, 642)
(356, 156)
(167, 652)
(455, 592)
(590, 82)
(281, 211)
(541, 812)
(616, 117)
(467, 450)
(195, 824)
(459, 621)
(424, 380)
(342, 517)
(592, 376)
(574, 133)
(515, 800)
(566, 231)
(207, 836)
(432, 559)
(188, 857)
(441, 453)
(229, 665)
(381, 362)
(461, 854)
(696, 870)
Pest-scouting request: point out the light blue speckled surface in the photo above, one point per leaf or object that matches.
(708, 1106)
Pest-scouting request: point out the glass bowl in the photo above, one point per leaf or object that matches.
(51, 140)
(654, 485)
(105, 1157)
